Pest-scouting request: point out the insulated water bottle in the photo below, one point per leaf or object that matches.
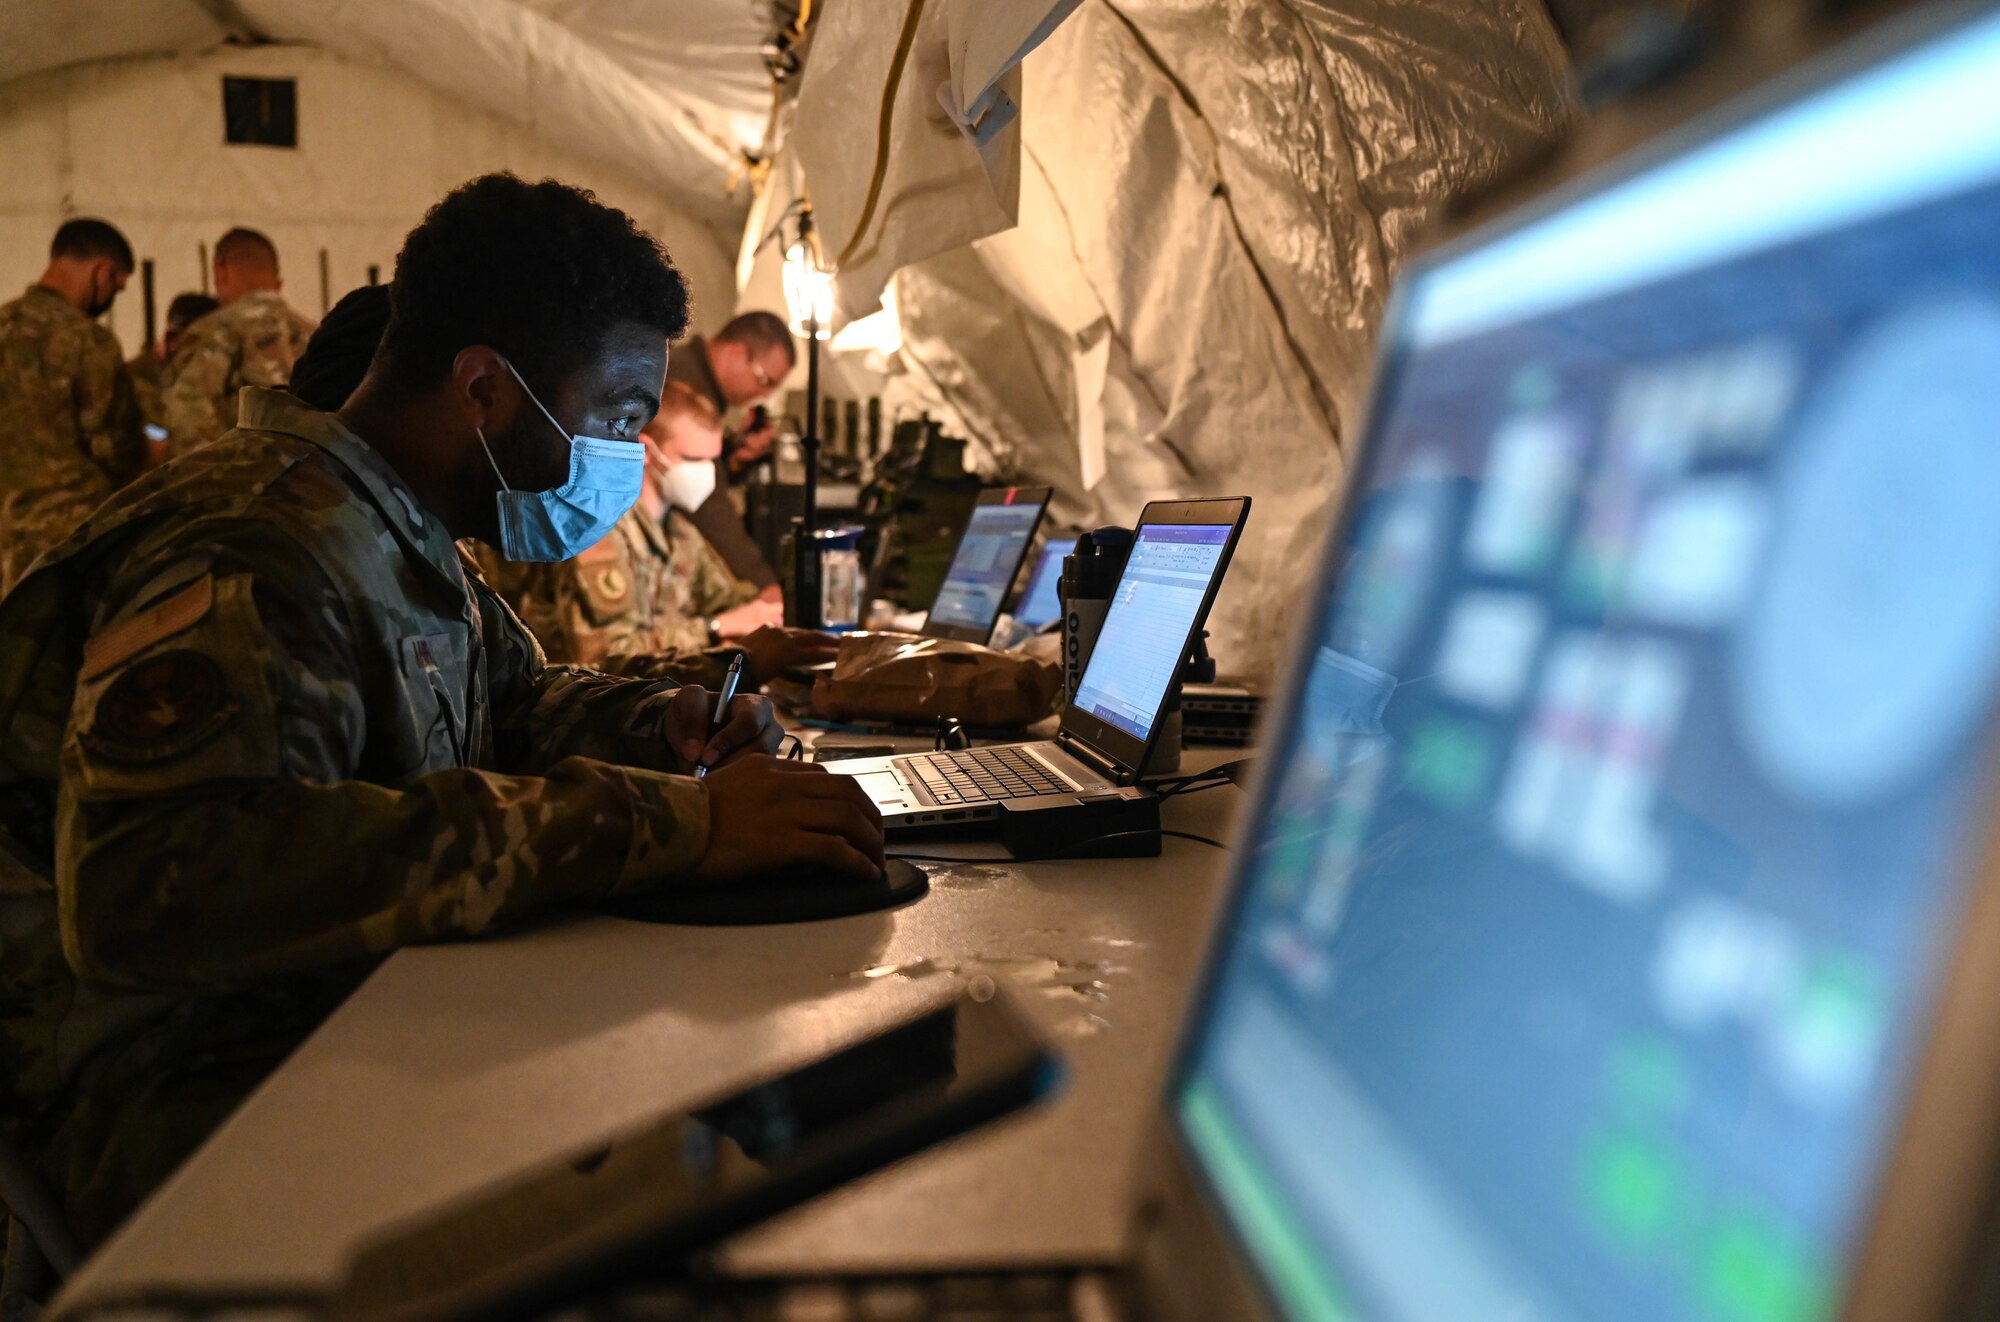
(1090, 575)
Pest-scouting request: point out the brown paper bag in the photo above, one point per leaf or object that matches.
(899, 677)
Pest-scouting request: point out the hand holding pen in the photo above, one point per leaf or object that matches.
(730, 682)
(708, 730)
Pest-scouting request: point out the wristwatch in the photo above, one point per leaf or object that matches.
(715, 631)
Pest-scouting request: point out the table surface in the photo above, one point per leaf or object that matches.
(458, 1064)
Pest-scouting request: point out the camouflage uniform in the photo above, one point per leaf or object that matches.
(637, 603)
(252, 342)
(69, 425)
(258, 727)
(144, 369)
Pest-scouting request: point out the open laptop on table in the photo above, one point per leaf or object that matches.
(1178, 558)
(988, 558)
(1041, 599)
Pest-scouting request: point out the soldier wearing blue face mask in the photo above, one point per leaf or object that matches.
(653, 597)
(259, 722)
(547, 526)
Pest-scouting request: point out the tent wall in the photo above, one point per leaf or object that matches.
(140, 142)
(1214, 195)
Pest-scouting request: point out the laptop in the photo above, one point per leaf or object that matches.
(1179, 556)
(1041, 599)
(988, 558)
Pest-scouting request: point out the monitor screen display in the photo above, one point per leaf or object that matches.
(1041, 602)
(1590, 922)
(984, 565)
(1138, 649)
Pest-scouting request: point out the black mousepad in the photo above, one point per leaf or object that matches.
(797, 897)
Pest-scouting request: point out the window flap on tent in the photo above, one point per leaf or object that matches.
(907, 130)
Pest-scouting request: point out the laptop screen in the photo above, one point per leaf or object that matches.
(1138, 649)
(1590, 920)
(984, 565)
(1041, 603)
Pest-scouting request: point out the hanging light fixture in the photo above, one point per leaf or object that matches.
(808, 289)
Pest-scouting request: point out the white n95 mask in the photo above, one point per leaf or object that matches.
(690, 484)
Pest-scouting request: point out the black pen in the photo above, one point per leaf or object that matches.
(730, 682)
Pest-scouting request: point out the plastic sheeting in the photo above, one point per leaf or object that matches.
(1214, 197)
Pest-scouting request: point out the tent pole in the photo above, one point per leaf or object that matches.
(806, 565)
(152, 306)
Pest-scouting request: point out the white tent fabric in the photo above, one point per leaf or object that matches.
(665, 90)
(1213, 200)
(139, 141)
(1147, 261)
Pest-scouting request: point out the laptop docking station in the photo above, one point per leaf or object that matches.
(1110, 823)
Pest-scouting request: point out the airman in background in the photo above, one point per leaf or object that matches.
(69, 419)
(740, 366)
(251, 340)
(149, 363)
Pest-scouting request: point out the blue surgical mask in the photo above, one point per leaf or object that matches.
(604, 481)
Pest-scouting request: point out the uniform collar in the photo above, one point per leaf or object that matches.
(654, 531)
(423, 531)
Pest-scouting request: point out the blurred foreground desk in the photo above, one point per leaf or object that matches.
(457, 1064)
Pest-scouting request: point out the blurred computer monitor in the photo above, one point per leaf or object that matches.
(1609, 909)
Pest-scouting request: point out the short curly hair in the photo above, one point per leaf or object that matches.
(542, 272)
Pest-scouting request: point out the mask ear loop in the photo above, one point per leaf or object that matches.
(489, 456)
(538, 403)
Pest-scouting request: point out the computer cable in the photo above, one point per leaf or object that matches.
(1229, 773)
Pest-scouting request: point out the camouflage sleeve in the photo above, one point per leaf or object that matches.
(212, 821)
(555, 607)
(543, 712)
(706, 667)
(195, 395)
(712, 588)
(113, 428)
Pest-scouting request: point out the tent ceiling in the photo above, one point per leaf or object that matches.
(668, 90)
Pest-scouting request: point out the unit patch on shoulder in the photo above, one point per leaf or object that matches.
(162, 707)
(611, 583)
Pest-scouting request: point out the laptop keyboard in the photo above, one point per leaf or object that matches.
(1014, 1296)
(981, 775)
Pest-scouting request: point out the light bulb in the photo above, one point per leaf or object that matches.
(808, 293)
